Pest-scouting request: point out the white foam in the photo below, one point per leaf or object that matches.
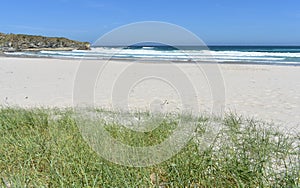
(182, 55)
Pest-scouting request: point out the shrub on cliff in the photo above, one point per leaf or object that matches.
(21, 42)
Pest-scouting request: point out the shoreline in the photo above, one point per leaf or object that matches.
(2, 54)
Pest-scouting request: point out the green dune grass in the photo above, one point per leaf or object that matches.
(44, 148)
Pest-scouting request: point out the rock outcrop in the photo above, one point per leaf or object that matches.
(20, 42)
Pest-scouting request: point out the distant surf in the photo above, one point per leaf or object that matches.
(281, 55)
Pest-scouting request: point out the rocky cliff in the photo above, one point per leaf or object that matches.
(20, 42)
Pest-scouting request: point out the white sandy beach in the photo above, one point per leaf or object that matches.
(267, 92)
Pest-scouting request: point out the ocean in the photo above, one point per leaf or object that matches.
(275, 55)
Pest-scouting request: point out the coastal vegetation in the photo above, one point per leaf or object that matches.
(21, 42)
(44, 148)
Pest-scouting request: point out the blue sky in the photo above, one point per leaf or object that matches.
(214, 21)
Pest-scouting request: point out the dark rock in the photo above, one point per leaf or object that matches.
(31, 45)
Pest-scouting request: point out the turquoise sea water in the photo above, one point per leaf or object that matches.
(280, 55)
